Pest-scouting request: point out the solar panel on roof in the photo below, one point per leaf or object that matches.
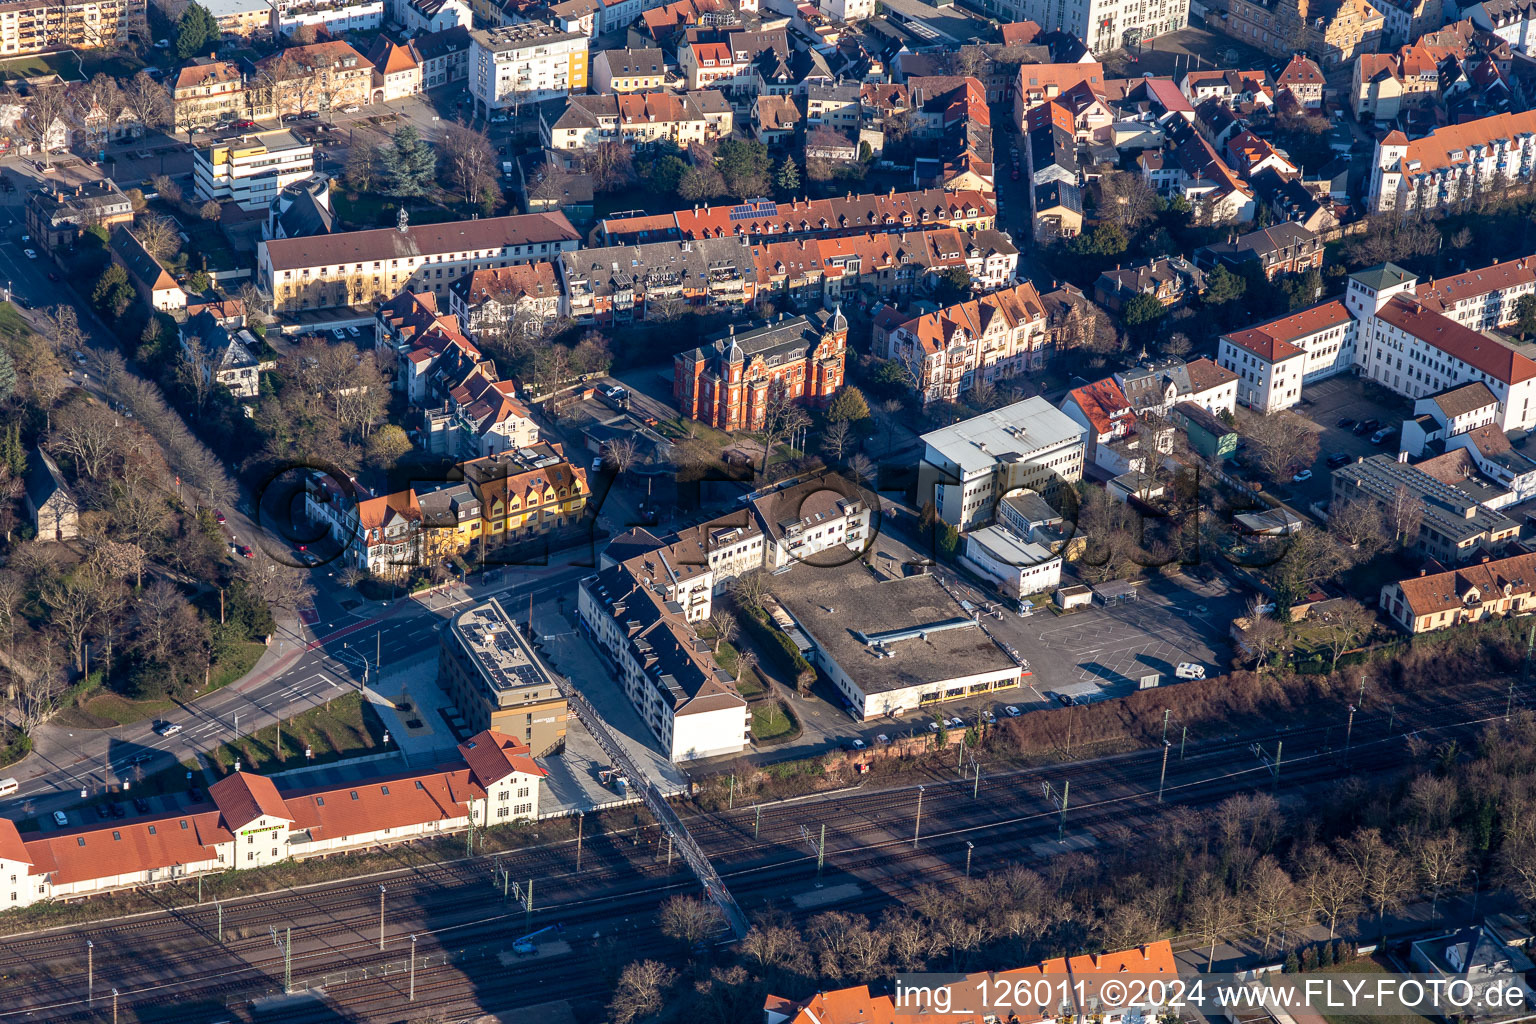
(755, 208)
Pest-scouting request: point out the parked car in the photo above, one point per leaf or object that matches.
(246, 552)
(1366, 426)
(1381, 436)
(340, 334)
(195, 794)
(933, 726)
(354, 108)
(1347, 421)
(857, 744)
(1302, 477)
(354, 332)
(1338, 459)
(988, 717)
(141, 805)
(102, 814)
(218, 517)
(245, 125)
(116, 810)
(1066, 700)
(310, 115)
(60, 819)
(882, 739)
(1012, 712)
(1189, 670)
(31, 253)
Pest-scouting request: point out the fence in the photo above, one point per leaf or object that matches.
(370, 972)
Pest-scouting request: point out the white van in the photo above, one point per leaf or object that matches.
(8, 786)
(1189, 670)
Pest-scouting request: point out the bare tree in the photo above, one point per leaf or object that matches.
(257, 303)
(689, 919)
(1358, 524)
(1282, 442)
(72, 606)
(723, 624)
(469, 162)
(1215, 913)
(39, 688)
(1385, 877)
(1263, 637)
(196, 372)
(621, 453)
(91, 436)
(1442, 862)
(1403, 513)
(60, 325)
(281, 586)
(1332, 887)
(782, 419)
(610, 165)
(158, 236)
(95, 106)
(749, 589)
(1343, 624)
(834, 440)
(147, 102)
(1126, 199)
(1271, 898)
(862, 468)
(639, 991)
(44, 124)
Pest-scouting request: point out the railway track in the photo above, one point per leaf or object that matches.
(866, 838)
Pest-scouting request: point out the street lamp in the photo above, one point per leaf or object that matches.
(969, 847)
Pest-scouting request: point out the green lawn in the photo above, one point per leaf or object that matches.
(750, 685)
(345, 727)
(108, 710)
(240, 661)
(726, 657)
(771, 722)
(369, 210)
(65, 65)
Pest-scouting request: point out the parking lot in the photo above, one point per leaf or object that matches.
(1328, 402)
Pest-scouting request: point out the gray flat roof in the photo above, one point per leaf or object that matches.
(832, 603)
(1022, 428)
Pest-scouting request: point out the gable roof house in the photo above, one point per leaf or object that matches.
(224, 356)
(150, 279)
(51, 506)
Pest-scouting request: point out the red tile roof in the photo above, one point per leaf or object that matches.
(378, 804)
(11, 846)
(130, 847)
(1434, 151)
(1443, 591)
(1446, 292)
(492, 756)
(1481, 353)
(1272, 341)
(1105, 405)
(242, 798)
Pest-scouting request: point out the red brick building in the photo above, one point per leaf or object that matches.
(727, 383)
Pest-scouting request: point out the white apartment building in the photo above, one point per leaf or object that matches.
(1484, 298)
(335, 17)
(967, 466)
(1104, 25)
(1385, 331)
(1273, 360)
(251, 170)
(1452, 163)
(524, 63)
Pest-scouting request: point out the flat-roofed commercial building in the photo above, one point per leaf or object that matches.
(969, 465)
(497, 680)
(892, 644)
(250, 170)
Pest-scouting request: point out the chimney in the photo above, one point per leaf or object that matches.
(1423, 572)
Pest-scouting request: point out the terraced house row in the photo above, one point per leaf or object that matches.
(505, 498)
